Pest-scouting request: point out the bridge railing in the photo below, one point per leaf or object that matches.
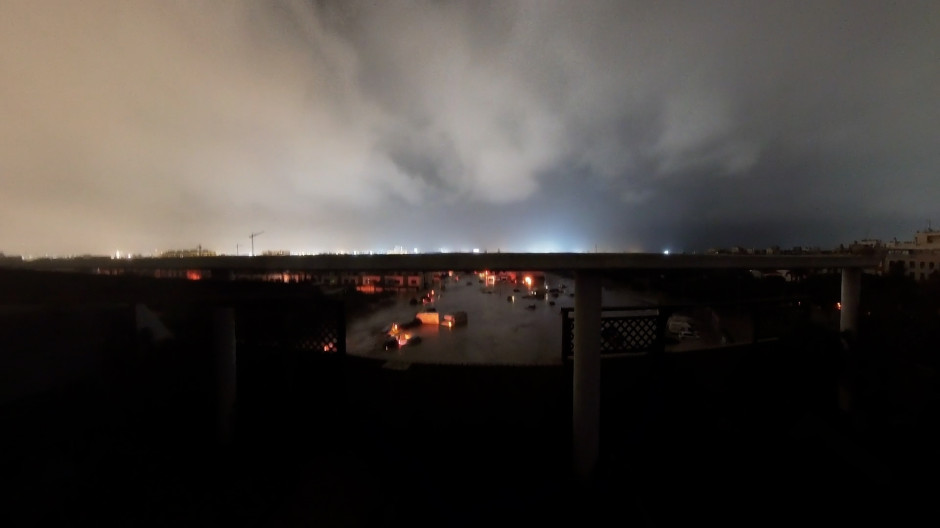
(638, 330)
(291, 325)
(624, 330)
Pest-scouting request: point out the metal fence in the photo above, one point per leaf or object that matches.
(624, 330)
(291, 325)
(636, 330)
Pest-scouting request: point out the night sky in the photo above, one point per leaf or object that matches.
(520, 126)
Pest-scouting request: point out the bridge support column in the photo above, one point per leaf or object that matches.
(851, 291)
(223, 337)
(587, 374)
(848, 325)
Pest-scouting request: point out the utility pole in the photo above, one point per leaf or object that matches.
(236, 249)
(252, 237)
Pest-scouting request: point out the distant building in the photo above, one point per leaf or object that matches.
(919, 259)
(351, 279)
(393, 280)
(923, 240)
(863, 247)
(916, 264)
(183, 253)
(869, 242)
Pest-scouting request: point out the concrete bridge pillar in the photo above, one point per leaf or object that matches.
(223, 330)
(851, 292)
(587, 373)
(848, 324)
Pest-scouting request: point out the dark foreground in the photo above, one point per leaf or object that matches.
(102, 425)
(743, 436)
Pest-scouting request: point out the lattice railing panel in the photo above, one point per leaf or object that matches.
(292, 327)
(628, 334)
(619, 334)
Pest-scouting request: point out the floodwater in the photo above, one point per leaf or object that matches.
(524, 331)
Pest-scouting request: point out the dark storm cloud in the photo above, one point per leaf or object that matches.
(520, 125)
(432, 160)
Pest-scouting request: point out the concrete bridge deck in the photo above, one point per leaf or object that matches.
(566, 262)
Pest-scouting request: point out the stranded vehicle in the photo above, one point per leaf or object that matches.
(681, 327)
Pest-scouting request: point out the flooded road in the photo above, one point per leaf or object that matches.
(524, 331)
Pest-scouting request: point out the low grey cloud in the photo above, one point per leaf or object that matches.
(148, 125)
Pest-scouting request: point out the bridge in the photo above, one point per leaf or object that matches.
(562, 262)
(588, 269)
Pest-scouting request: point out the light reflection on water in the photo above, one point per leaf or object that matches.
(497, 331)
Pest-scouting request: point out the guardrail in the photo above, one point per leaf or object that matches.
(638, 330)
(624, 330)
